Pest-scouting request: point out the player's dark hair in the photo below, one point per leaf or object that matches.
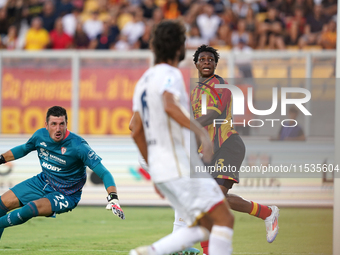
(56, 111)
(167, 38)
(206, 48)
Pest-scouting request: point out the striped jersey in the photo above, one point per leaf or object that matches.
(63, 163)
(219, 100)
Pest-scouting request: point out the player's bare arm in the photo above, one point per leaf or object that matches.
(137, 133)
(111, 189)
(130, 124)
(175, 111)
(206, 120)
(6, 157)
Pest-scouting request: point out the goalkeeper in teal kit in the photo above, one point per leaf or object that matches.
(57, 189)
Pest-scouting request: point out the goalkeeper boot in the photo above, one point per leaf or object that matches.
(272, 224)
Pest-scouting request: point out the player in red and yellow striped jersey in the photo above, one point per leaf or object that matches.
(229, 149)
(220, 104)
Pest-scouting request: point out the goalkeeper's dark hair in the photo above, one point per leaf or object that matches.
(167, 38)
(206, 48)
(56, 111)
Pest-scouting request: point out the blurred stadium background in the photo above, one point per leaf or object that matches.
(97, 87)
(87, 56)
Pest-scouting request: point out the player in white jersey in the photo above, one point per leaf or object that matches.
(161, 129)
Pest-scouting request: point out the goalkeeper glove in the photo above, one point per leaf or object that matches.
(113, 205)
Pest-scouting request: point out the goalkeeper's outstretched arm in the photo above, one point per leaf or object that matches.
(15, 153)
(6, 157)
(109, 183)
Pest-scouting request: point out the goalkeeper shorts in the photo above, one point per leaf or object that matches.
(36, 188)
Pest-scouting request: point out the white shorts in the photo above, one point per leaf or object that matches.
(191, 197)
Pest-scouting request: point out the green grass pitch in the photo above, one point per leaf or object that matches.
(93, 230)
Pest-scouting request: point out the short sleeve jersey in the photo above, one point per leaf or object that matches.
(221, 102)
(168, 143)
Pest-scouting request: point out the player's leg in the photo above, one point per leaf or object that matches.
(218, 218)
(24, 194)
(269, 214)
(38, 207)
(191, 199)
(236, 203)
(8, 202)
(239, 204)
(21, 215)
(20, 195)
(36, 200)
(232, 153)
(52, 203)
(220, 240)
(228, 158)
(184, 237)
(180, 193)
(178, 222)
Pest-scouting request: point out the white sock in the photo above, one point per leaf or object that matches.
(180, 240)
(220, 241)
(179, 222)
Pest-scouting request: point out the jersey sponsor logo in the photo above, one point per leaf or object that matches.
(43, 144)
(63, 150)
(59, 160)
(91, 155)
(50, 167)
(44, 152)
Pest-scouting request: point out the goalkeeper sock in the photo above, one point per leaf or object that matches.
(179, 222)
(220, 241)
(179, 240)
(3, 212)
(19, 216)
(260, 211)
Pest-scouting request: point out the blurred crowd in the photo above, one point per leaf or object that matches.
(122, 25)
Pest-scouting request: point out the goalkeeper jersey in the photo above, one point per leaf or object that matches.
(63, 163)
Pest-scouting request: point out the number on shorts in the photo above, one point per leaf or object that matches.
(220, 162)
(61, 204)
